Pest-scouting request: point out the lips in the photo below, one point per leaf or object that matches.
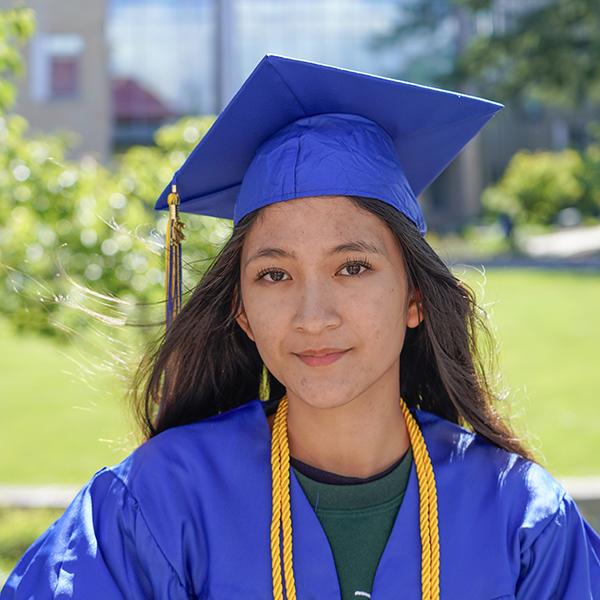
(325, 356)
(320, 352)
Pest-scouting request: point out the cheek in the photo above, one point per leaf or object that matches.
(382, 321)
(269, 322)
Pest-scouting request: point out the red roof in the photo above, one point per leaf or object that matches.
(133, 102)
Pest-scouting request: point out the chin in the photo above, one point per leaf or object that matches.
(324, 399)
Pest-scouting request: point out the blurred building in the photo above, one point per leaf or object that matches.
(116, 71)
(137, 112)
(194, 54)
(66, 84)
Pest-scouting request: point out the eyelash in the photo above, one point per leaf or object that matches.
(363, 262)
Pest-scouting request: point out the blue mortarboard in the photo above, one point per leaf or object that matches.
(297, 128)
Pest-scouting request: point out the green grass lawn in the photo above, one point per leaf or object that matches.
(63, 414)
(548, 330)
(18, 529)
(63, 418)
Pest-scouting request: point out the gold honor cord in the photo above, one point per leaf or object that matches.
(281, 516)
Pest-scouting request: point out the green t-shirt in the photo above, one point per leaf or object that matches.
(356, 517)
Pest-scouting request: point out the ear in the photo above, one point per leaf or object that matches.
(237, 304)
(242, 320)
(415, 315)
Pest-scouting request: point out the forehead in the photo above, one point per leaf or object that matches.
(318, 220)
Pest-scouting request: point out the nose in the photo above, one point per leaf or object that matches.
(316, 309)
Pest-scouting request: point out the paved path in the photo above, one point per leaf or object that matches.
(576, 248)
(36, 496)
(566, 243)
(526, 262)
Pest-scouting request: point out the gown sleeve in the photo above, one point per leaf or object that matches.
(101, 547)
(562, 560)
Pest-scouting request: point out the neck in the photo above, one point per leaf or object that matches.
(358, 439)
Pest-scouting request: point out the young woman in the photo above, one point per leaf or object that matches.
(374, 464)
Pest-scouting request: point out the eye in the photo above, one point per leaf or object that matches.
(355, 264)
(270, 271)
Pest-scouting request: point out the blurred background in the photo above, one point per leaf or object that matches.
(100, 102)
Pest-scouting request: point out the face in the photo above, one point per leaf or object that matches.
(321, 273)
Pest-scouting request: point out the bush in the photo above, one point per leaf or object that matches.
(591, 179)
(78, 241)
(536, 186)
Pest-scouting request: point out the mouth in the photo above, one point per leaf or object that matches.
(321, 359)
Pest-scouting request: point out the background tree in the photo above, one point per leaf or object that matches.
(79, 243)
(544, 52)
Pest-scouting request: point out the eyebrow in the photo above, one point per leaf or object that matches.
(350, 246)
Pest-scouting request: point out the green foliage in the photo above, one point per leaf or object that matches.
(70, 230)
(536, 186)
(47, 222)
(418, 20)
(548, 51)
(80, 242)
(591, 179)
(16, 26)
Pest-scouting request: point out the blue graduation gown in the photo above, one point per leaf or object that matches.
(187, 515)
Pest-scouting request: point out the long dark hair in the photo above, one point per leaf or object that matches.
(206, 364)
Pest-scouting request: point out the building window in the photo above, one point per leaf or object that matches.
(56, 67)
(63, 77)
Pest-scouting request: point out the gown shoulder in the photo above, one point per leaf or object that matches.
(127, 532)
(101, 547)
(138, 529)
(552, 551)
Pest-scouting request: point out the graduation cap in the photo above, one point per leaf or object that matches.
(297, 128)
